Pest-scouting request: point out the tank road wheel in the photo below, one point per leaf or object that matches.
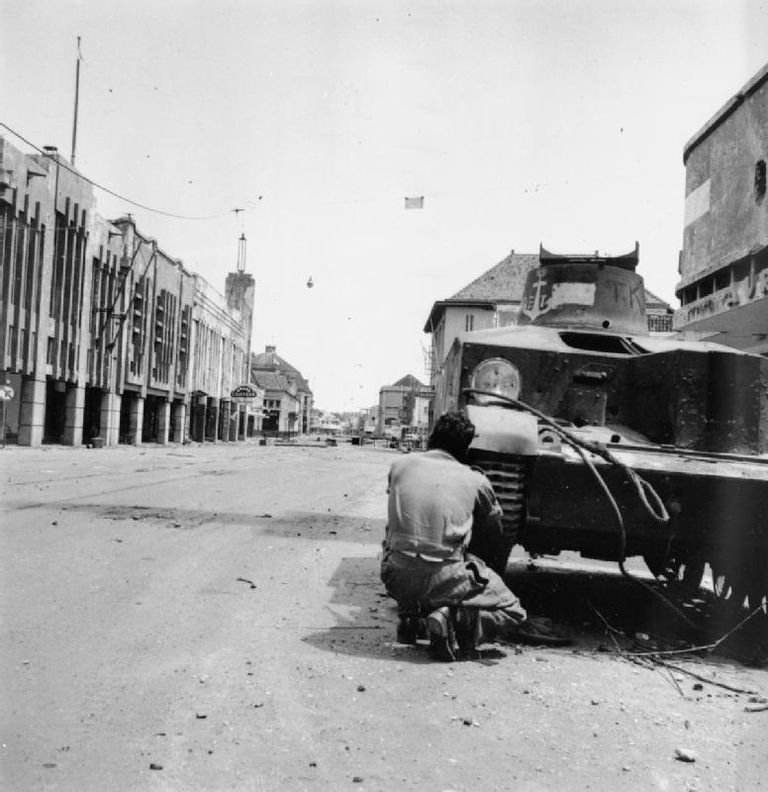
(720, 585)
(757, 586)
(729, 585)
(655, 564)
(684, 574)
(690, 576)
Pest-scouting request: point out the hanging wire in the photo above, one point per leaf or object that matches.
(112, 192)
(649, 498)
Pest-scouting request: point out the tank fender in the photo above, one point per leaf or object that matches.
(503, 431)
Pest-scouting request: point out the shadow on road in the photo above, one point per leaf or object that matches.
(365, 615)
(600, 609)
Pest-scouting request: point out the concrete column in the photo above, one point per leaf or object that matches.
(74, 410)
(226, 411)
(237, 419)
(32, 411)
(163, 422)
(201, 415)
(110, 418)
(136, 419)
(212, 416)
(179, 422)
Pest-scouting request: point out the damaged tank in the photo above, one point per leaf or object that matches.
(602, 438)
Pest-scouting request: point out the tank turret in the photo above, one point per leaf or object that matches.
(586, 292)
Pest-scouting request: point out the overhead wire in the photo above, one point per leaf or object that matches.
(647, 495)
(114, 194)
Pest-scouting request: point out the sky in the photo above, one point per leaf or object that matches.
(521, 122)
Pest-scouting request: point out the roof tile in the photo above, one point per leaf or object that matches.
(503, 282)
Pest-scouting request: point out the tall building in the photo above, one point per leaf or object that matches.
(104, 337)
(723, 286)
(221, 343)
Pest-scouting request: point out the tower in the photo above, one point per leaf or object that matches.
(239, 292)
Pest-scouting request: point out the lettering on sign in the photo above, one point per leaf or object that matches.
(743, 292)
(244, 392)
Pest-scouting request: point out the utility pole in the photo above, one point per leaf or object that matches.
(77, 102)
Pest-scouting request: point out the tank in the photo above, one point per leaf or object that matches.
(602, 438)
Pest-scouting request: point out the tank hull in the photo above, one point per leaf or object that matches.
(603, 398)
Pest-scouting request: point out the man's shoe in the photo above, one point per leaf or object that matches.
(442, 640)
(537, 632)
(468, 632)
(408, 629)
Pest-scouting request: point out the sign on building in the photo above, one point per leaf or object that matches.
(244, 394)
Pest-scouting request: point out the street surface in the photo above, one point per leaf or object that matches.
(211, 618)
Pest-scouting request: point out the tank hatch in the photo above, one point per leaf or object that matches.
(591, 292)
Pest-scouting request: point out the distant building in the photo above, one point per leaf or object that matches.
(366, 422)
(287, 395)
(328, 423)
(100, 329)
(404, 403)
(493, 300)
(723, 288)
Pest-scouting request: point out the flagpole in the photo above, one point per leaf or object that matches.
(77, 101)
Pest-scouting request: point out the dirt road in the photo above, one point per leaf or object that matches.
(210, 618)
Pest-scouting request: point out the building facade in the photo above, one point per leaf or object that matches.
(98, 325)
(405, 403)
(723, 288)
(287, 395)
(221, 331)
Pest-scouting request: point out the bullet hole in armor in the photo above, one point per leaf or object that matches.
(606, 323)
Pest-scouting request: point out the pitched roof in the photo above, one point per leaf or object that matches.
(503, 282)
(408, 381)
(652, 301)
(270, 380)
(269, 360)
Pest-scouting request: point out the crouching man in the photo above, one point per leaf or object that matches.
(436, 503)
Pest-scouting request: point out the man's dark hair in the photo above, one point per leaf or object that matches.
(452, 432)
